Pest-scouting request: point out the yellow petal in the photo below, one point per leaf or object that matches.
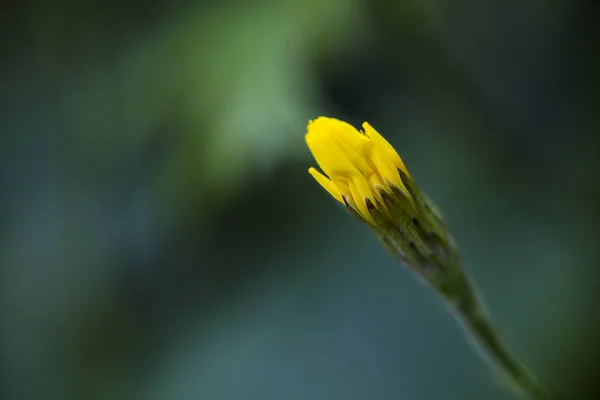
(340, 149)
(385, 146)
(327, 124)
(327, 184)
(359, 199)
(329, 155)
(355, 144)
(336, 144)
(385, 168)
(356, 152)
(361, 191)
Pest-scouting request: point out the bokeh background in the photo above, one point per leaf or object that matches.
(161, 238)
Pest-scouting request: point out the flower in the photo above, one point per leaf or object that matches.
(364, 172)
(359, 166)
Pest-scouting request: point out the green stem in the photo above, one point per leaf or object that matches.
(441, 267)
(459, 292)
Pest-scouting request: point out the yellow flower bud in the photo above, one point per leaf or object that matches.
(359, 165)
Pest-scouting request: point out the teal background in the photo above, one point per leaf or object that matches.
(160, 237)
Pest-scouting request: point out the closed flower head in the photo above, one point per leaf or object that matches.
(361, 170)
(360, 167)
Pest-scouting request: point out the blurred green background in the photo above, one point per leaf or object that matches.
(161, 238)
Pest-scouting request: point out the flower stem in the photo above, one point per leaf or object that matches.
(460, 294)
(421, 240)
(447, 276)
